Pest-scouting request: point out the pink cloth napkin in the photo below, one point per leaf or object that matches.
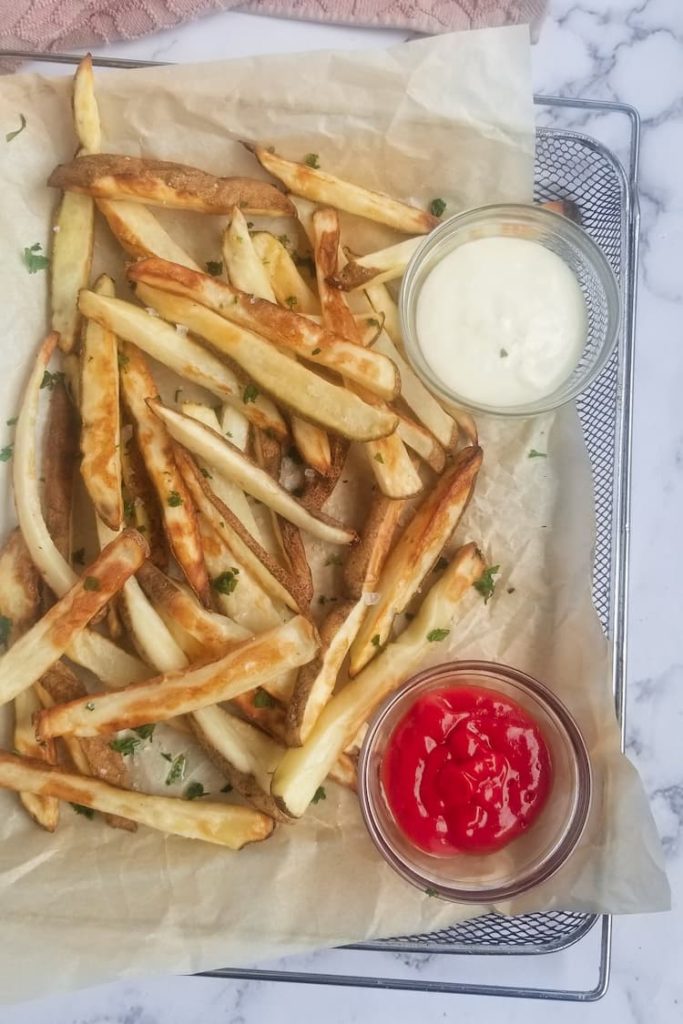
(61, 24)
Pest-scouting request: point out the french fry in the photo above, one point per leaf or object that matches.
(247, 273)
(248, 665)
(245, 548)
(288, 285)
(303, 769)
(228, 492)
(139, 232)
(421, 442)
(319, 489)
(180, 521)
(418, 398)
(327, 189)
(364, 562)
(161, 183)
(60, 456)
(86, 114)
(317, 680)
(214, 633)
(70, 261)
(99, 408)
(268, 454)
(172, 348)
(391, 464)
(50, 637)
(114, 666)
(142, 501)
(415, 554)
(377, 267)
(235, 425)
(224, 824)
(229, 460)
(94, 755)
(285, 328)
(19, 608)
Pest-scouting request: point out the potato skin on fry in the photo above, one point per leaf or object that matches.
(163, 183)
(59, 461)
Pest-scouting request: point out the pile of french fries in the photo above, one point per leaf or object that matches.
(198, 608)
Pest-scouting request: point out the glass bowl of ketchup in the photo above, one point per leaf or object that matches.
(474, 782)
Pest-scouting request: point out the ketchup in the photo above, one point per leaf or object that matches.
(466, 770)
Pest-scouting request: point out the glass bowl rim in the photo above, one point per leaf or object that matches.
(583, 798)
(561, 226)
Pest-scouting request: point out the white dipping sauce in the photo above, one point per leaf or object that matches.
(501, 321)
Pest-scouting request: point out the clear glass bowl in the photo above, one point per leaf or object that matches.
(565, 239)
(526, 861)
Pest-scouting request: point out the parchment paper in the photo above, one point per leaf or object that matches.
(450, 117)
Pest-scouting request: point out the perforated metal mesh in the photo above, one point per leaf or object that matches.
(567, 167)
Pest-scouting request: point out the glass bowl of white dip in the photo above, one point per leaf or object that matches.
(510, 310)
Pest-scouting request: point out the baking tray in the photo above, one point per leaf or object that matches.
(569, 165)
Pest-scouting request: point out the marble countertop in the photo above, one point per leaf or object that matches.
(619, 50)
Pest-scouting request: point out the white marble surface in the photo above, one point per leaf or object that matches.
(613, 49)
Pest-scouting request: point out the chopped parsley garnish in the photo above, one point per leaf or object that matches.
(227, 788)
(251, 393)
(430, 892)
(6, 453)
(291, 301)
(34, 260)
(174, 499)
(50, 379)
(434, 635)
(333, 560)
(13, 421)
(319, 795)
(87, 812)
(91, 583)
(166, 757)
(375, 640)
(284, 240)
(437, 207)
(226, 582)
(378, 457)
(78, 557)
(123, 360)
(194, 790)
(17, 131)
(176, 772)
(214, 267)
(371, 322)
(533, 454)
(503, 353)
(312, 160)
(316, 351)
(90, 706)
(129, 508)
(206, 473)
(125, 745)
(486, 584)
(262, 699)
(145, 732)
(5, 627)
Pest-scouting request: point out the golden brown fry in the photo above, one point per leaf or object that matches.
(365, 561)
(316, 681)
(287, 283)
(86, 114)
(100, 423)
(90, 755)
(171, 185)
(390, 462)
(43, 809)
(218, 452)
(180, 520)
(224, 824)
(416, 552)
(327, 189)
(140, 233)
(283, 327)
(70, 262)
(378, 267)
(250, 664)
(271, 577)
(141, 497)
(49, 638)
(60, 459)
(320, 488)
(421, 442)
(303, 769)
